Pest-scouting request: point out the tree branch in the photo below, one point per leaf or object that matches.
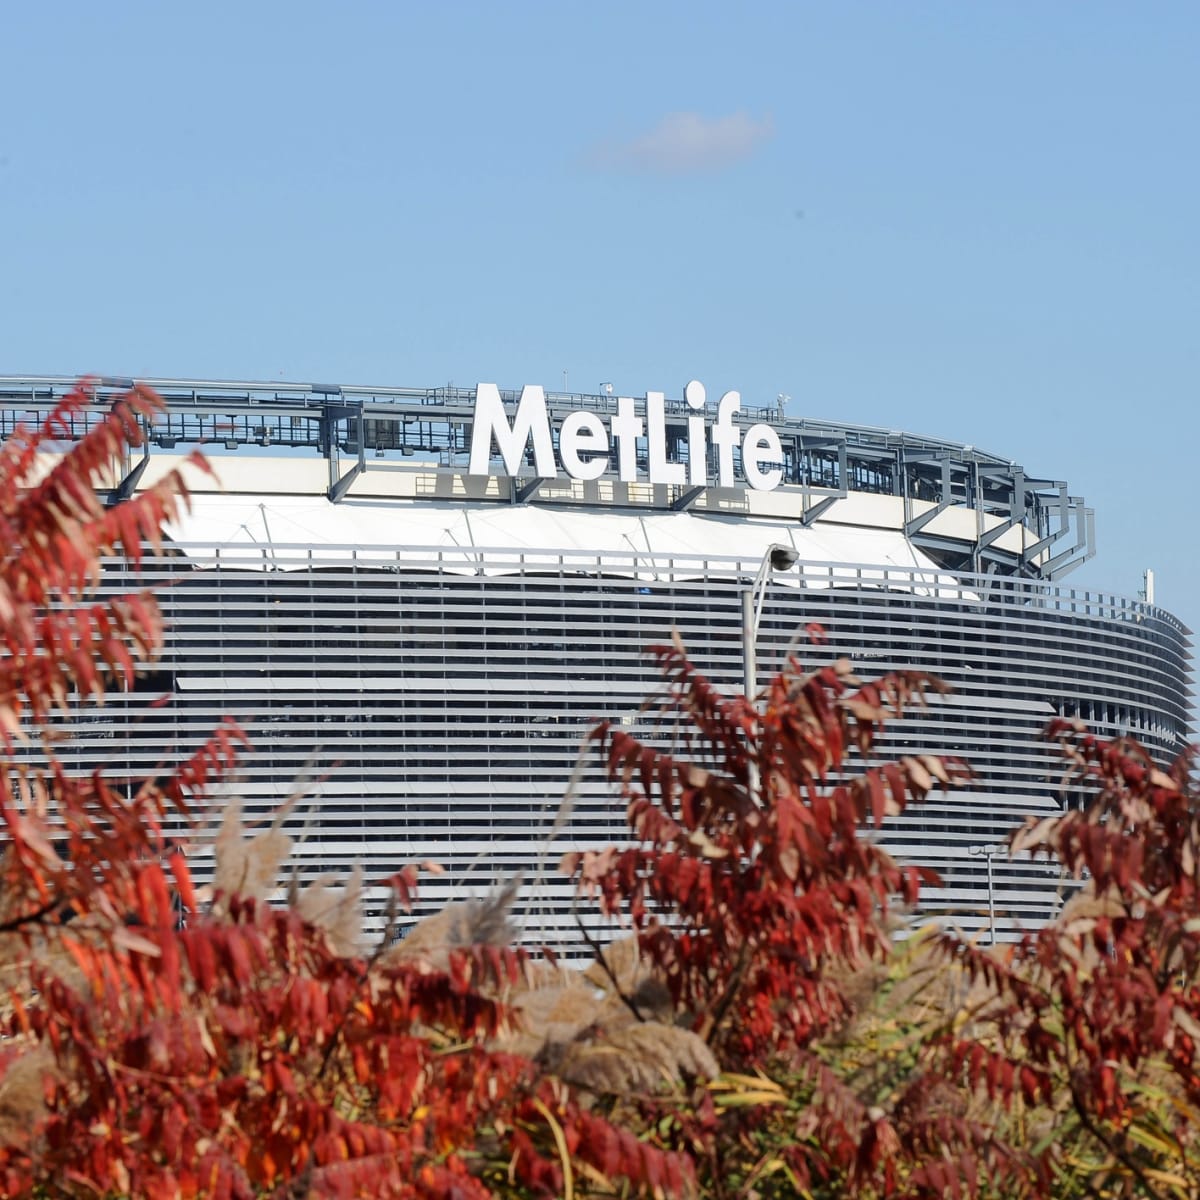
(1120, 1155)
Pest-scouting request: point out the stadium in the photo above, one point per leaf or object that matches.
(417, 601)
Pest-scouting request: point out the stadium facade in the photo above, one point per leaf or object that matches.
(418, 601)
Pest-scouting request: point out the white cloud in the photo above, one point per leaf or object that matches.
(687, 143)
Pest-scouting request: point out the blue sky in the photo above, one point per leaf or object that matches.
(971, 220)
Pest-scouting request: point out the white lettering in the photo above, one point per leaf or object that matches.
(660, 470)
(725, 437)
(762, 443)
(583, 432)
(586, 447)
(626, 429)
(696, 397)
(530, 420)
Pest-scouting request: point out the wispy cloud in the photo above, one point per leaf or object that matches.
(687, 143)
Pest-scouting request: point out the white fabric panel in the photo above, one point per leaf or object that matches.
(280, 532)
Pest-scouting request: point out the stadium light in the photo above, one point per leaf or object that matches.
(778, 557)
(989, 852)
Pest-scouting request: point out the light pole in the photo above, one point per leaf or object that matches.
(777, 557)
(989, 852)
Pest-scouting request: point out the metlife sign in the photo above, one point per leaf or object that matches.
(586, 441)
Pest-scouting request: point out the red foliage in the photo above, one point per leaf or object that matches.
(749, 882)
(755, 893)
(752, 890)
(1117, 978)
(53, 532)
(240, 1055)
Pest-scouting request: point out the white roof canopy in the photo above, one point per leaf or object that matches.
(291, 532)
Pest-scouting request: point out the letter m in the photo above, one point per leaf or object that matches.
(529, 421)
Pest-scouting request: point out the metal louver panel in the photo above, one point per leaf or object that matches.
(440, 715)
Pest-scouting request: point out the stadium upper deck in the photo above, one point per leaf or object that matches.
(967, 509)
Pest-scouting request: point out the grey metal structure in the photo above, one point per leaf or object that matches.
(445, 704)
(352, 427)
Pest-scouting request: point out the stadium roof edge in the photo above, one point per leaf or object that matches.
(355, 426)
